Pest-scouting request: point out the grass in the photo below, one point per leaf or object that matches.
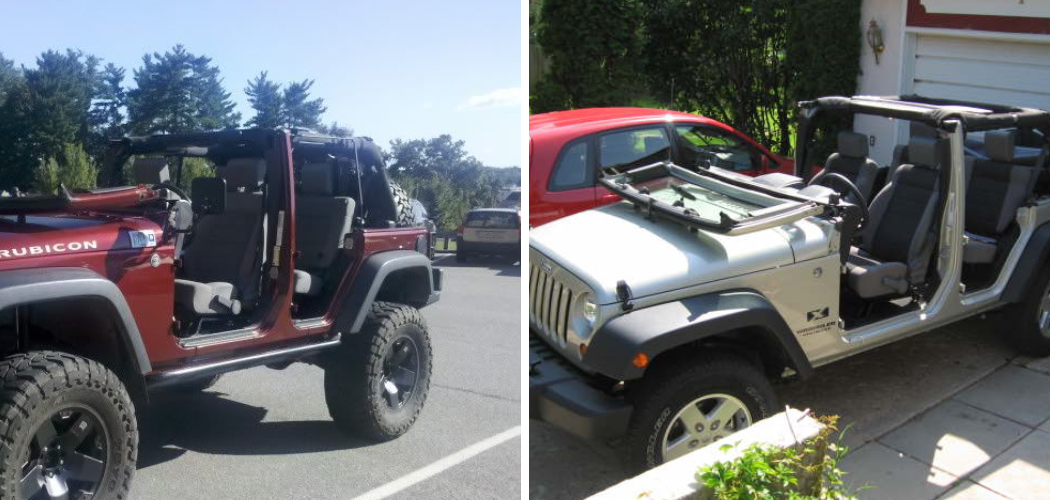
(444, 244)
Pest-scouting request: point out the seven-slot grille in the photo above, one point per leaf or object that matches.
(549, 303)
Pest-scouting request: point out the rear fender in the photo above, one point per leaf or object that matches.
(385, 268)
(737, 317)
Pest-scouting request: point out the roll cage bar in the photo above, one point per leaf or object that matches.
(937, 113)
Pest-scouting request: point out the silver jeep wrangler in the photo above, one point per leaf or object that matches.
(664, 317)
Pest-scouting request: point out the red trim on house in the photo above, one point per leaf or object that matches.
(917, 16)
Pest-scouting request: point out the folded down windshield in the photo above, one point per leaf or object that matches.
(709, 200)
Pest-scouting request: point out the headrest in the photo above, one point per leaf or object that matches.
(317, 179)
(920, 129)
(247, 173)
(150, 170)
(923, 151)
(999, 145)
(853, 144)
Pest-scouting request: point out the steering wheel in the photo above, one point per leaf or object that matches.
(851, 188)
(173, 188)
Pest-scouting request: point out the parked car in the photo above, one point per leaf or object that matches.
(568, 151)
(110, 294)
(494, 231)
(665, 317)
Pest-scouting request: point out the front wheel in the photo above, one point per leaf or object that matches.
(693, 401)
(1031, 317)
(377, 382)
(69, 429)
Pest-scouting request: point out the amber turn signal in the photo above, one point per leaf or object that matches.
(640, 360)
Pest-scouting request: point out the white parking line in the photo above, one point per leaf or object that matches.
(439, 466)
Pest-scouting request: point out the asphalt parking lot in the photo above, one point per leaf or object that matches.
(872, 392)
(262, 433)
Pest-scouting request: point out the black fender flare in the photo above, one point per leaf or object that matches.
(661, 328)
(369, 280)
(1033, 258)
(25, 286)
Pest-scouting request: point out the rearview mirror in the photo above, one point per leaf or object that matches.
(209, 195)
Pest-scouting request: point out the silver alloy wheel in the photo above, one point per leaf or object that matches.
(1043, 314)
(703, 421)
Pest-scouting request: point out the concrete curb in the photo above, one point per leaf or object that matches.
(677, 480)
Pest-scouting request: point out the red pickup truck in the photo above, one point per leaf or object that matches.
(567, 150)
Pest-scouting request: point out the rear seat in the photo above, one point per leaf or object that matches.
(150, 171)
(322, 220)
(995, 190)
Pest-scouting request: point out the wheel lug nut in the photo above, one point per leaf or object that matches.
(699, 427)
(693, 443)
(714, 425)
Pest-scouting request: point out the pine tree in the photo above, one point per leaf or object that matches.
(266, 99)
(300, 110)
(9, 75)
(178, 92)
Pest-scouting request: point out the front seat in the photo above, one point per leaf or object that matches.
(150, 171)
(322, 220)
(900, 236)
(222, 267)
(852, 161)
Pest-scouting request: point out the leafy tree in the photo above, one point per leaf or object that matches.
(44, 111)
(106, 117)
(440, 174)
(177, 92)
(265, 98)
(301, 111)
(192, 168)
(593, 51)
(71, 167)
(8, 76)
(336, 130)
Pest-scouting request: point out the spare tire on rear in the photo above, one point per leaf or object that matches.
(402, 206)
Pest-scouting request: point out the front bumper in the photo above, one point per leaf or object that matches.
(560, 395)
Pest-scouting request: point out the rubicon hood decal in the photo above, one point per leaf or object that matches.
(61, 247)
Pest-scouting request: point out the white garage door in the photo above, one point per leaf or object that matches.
(982, 70)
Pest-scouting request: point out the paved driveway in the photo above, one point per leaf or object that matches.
(263, 433)
(874, 393)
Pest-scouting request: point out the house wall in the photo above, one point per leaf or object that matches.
(885, 77)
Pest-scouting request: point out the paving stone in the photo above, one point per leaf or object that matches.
(1014, 392)
(955, 437)
(1039, 364)
(1022, 472)
(886, 474)
(971, 491)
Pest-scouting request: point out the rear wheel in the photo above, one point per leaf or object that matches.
(1031, 330)
(377, 382)
(692, 401)
(69, 429)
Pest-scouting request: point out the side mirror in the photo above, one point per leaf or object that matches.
(209, 195)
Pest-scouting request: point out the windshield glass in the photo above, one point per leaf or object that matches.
(492, 220)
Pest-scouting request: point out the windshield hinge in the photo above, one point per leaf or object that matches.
(623, 292)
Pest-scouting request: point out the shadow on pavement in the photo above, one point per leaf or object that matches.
(498, 263)
(207, 422)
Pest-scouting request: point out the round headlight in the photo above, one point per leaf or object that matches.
(590, 312)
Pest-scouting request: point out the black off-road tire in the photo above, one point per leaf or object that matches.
(1024, 333)
(402, 205)
(670, 386)
(34, 386)
(354, 378)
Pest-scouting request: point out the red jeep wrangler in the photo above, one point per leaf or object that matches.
(568, 150)
(297, 251)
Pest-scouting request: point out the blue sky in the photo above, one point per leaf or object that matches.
(387, 69)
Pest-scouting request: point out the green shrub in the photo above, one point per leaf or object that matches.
(808, 472)
(71, 167)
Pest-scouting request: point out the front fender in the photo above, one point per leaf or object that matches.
(24, 286)
(369, 281)
(655, 330)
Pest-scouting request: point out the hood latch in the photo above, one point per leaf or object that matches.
(623, 292)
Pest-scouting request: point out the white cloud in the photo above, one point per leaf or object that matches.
(496, 98)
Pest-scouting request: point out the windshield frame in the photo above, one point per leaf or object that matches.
(793, 207)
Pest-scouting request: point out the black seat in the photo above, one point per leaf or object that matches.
(898, 240)
(852, 161)
(322, 221)
(900, 152)
(995, 190)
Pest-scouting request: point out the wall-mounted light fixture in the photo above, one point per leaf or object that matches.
(875, 40)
